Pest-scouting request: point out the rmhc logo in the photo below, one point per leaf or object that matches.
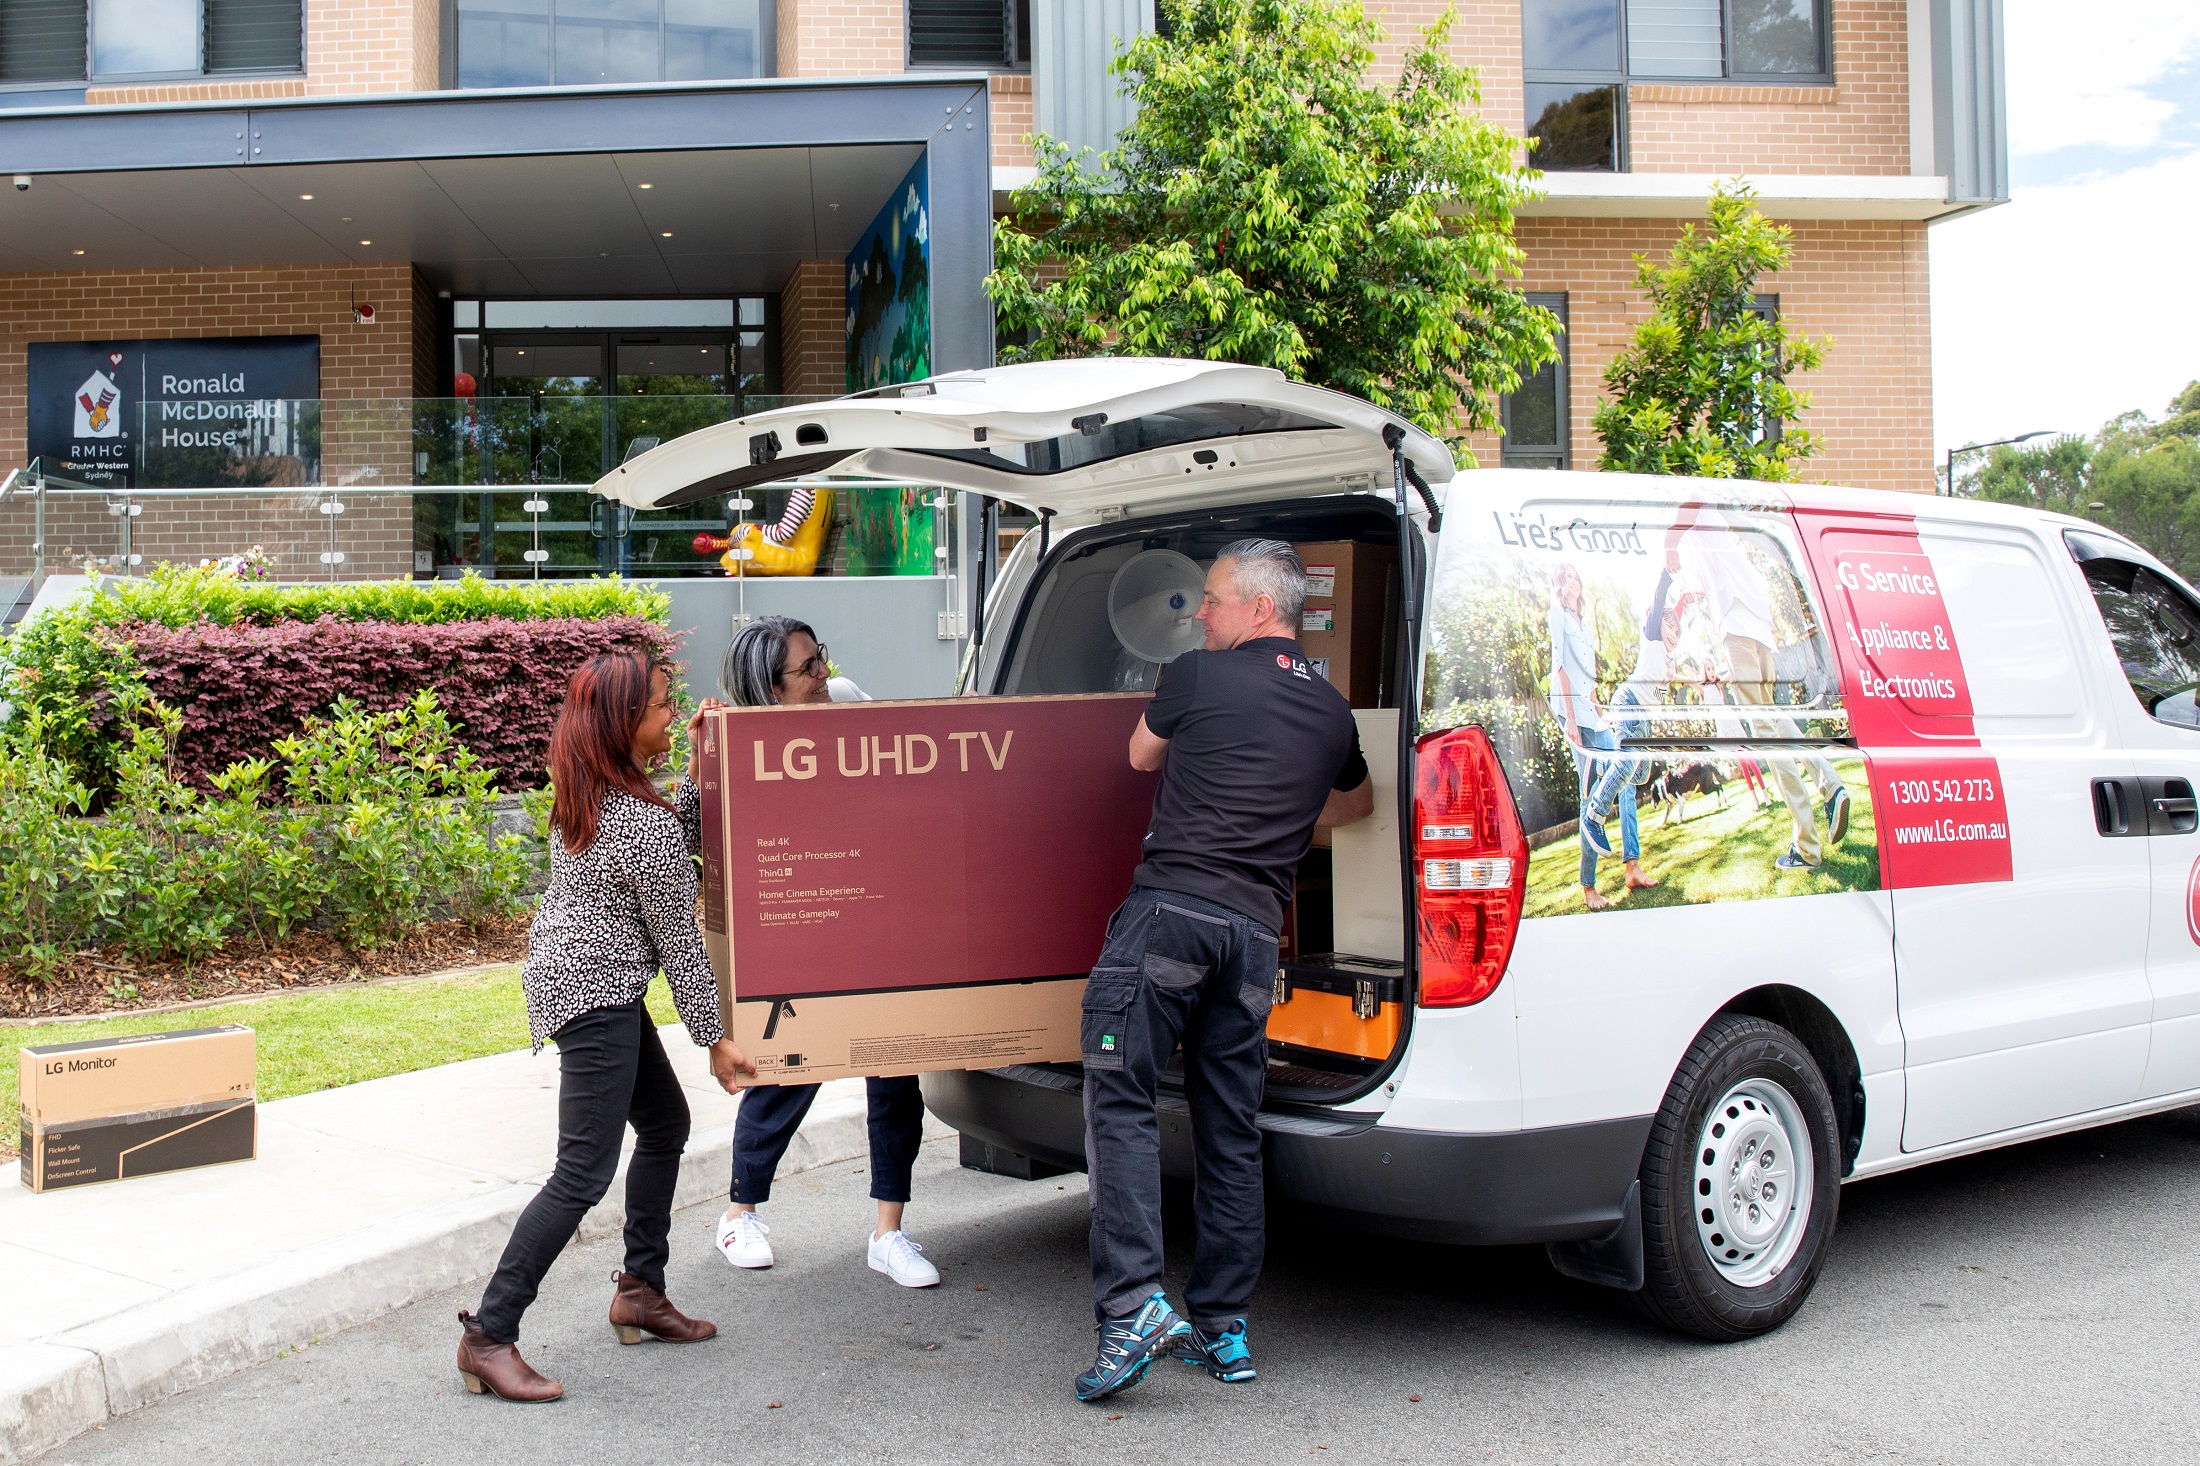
(97, 404)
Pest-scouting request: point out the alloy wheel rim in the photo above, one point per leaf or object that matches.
(1754, 1182)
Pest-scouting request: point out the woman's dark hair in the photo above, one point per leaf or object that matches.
(757, 658)
(592, 746)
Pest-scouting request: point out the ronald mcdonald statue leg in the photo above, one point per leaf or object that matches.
(765, 556)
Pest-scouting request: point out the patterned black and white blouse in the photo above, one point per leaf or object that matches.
(616, 913)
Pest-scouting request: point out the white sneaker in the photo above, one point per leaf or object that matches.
(903, 1261)
(741, 1239)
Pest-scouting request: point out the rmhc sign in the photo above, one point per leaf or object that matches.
(97, 409)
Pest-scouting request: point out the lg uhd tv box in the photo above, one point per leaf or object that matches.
(893, 887)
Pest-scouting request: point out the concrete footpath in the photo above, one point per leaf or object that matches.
(363, 1199)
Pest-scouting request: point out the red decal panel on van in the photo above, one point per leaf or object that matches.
(1942, 816)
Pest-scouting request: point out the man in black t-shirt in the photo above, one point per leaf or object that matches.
(1254, 749)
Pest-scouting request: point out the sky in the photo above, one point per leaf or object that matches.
(2080, 298)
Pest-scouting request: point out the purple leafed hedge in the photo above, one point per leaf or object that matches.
(241, 687)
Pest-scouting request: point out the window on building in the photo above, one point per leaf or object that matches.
(1535, 418)
(1767, 308)
(519, 43)
(970, 33)
(41, 41)
(1578, 56)
(48, 41)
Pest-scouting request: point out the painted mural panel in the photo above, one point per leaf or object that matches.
(890, 290)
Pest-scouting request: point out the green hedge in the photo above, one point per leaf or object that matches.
(73, 675)
(178, 596)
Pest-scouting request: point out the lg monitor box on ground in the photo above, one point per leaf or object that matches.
(893, 887)
(110, 1108)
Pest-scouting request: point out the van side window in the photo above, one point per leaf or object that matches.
(2156, 632)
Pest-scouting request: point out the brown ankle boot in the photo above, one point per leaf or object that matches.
(486, 1365)
(637, 1309)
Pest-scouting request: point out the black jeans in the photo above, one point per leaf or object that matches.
(770, 1113)
(1177, 969)
(612, 1072)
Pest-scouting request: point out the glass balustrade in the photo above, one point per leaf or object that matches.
(419, 487)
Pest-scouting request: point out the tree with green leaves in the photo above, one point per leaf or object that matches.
(1269, 204)
(2136, 476)
(1703, 390)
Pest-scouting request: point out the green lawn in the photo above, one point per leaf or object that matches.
(326, 1037)
(1715, 855)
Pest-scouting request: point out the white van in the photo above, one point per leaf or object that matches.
(1904, 856)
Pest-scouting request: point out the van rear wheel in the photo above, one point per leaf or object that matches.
(1740, 1183)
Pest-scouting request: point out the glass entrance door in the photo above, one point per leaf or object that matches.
(668, 385)
(563, 392)
(557, 384)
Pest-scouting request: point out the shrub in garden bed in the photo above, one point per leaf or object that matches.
(241, 688)
(246, 663)
(175, 596)
(365, 822)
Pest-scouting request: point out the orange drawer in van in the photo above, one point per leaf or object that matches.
(1339, 1004)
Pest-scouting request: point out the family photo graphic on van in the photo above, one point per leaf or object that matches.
(1666, 697)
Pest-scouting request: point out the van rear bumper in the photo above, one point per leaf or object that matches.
(1560, 1184)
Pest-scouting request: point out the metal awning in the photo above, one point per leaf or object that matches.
(523, 193)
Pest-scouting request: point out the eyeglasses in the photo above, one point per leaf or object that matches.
(816, 666)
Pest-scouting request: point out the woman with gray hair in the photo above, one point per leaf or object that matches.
(776, 660)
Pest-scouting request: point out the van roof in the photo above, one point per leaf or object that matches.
(1143, 433)
(1818, 498)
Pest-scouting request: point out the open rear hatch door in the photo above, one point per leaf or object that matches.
(1070, 437)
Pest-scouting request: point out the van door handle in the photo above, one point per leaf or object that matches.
(2171, 808)
(2112, 809)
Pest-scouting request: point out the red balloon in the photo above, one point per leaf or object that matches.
(462, 385)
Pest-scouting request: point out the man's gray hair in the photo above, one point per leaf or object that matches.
(1269, 568)
(756, 659)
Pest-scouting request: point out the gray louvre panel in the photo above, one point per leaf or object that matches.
(255, 35)
(1970, 108)
(1675, 38)
(958, 33)
(1072, 43)
(42, 40)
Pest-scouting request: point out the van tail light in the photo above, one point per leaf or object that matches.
(1471, 859)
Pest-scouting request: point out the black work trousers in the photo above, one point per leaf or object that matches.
(1177, 969)
(771, 1113)
(612, 1073)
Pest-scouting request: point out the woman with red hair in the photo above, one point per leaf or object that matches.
(621, 905)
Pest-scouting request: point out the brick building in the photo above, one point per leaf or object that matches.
(1858, 121)
(516, 247)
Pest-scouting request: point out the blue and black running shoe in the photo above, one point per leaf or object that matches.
(1223, 1355)
(1128, 1346)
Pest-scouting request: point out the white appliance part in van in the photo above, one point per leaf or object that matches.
(1075, 437)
